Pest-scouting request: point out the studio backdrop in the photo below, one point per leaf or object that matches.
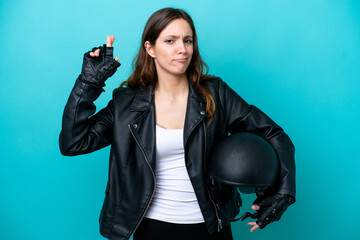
(298, 61)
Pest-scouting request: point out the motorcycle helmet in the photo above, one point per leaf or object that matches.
(244, 160)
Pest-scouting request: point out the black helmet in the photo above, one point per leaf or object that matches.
(246, 161)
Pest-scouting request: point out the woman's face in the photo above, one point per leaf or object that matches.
(173, 48)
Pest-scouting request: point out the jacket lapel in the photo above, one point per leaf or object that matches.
(195, 112)
(143, 127)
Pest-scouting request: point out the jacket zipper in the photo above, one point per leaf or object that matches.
(147, 161)
(216, 212)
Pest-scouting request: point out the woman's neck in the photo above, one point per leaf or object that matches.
(172, 87)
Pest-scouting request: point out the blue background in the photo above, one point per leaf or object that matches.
(298, 61)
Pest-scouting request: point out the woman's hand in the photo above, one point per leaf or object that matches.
(99, 64)
(109, 42)
(269, 208)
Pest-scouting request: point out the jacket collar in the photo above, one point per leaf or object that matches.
(145, 95)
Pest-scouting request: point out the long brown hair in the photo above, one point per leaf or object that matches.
(144, 71)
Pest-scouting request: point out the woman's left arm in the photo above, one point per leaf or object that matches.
(242, 117)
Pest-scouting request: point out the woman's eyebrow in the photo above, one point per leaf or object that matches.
(177, 36)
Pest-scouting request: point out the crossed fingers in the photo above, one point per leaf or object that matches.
(109, 42)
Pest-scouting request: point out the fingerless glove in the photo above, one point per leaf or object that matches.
(96, 70)
(271, 208)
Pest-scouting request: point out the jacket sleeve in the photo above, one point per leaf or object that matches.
(82, 133)
(242, 117)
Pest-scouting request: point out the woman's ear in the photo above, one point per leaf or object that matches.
(149, 49)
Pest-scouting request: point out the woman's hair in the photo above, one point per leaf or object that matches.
(144, 71)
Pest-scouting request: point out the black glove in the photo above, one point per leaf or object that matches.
(96, 70)
(271, 208)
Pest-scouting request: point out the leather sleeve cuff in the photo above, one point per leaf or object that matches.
(96, 85)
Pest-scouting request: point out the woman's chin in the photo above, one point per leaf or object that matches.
(180, 71)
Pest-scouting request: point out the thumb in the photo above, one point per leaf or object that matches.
(255, 207)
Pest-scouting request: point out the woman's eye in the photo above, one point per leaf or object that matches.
(169, 41)
(188, 41)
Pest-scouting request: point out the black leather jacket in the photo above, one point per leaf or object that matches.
(128, 125)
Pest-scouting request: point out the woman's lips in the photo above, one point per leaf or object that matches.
(181, 60)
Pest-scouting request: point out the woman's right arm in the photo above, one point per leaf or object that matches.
(82, 132)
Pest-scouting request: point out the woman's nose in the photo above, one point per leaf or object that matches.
(181, 47)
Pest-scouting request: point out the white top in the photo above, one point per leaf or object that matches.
(174, 200)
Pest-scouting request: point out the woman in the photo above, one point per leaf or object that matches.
(161, 127)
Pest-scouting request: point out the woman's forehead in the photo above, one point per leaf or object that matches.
(177, 28)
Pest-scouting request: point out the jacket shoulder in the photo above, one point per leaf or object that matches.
(124, 91)
(212, 83)
(123, 96)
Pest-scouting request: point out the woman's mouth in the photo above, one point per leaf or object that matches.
(181, 60)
